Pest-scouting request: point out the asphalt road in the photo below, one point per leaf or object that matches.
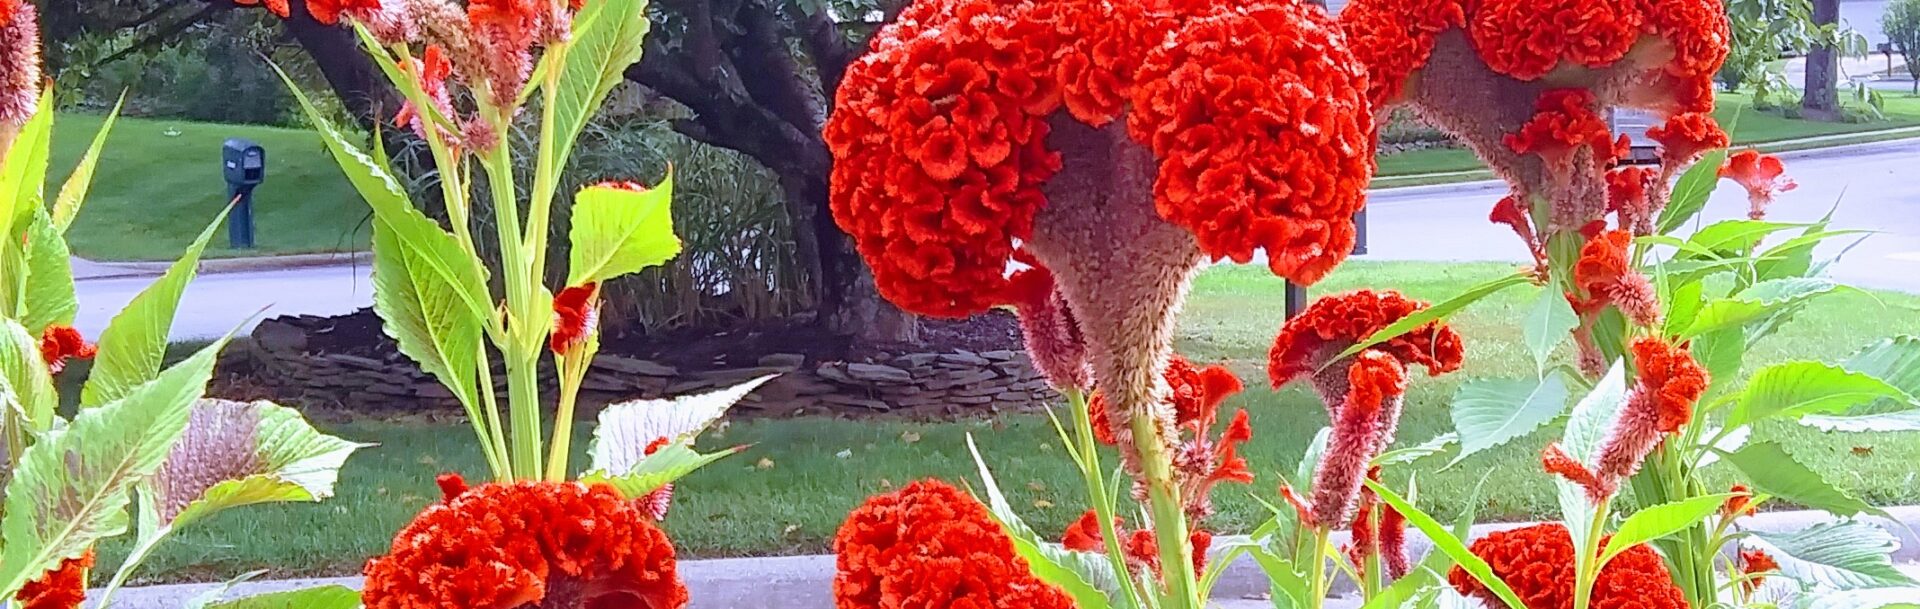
(215, 304)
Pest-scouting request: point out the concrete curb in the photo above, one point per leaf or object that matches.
(806, 582)
(88, 269)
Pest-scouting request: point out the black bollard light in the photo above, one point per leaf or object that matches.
(244, 165)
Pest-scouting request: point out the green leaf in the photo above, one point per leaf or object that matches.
(282, 458)
(135, 341)
(1288, 588)
(1757, 302)
(1659, 521)
(1775, 472)
(1895, 360)
(49, 297)
(626, 429)
(1438, 312)
(23, 168)
(31, 386)
(1691, 192)
(1877, 598)
(1845, 555)
(1401, 456)
(607, 37)
(73, 486)
(1795, 389)
(74, 193)
(618, 231)
(1444, 541)
(1595, 414)
(1683, 304)
(1402, 591)
(424, 314)
(1722, 352)
(1899, 420)
(1310, 460)
(663, 467)
(322, 597)
(1735, 236)
(1026, 542)
(1794, 257)
(1549, 322)
(1490, 412)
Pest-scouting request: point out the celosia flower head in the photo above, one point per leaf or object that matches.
(1308, 341)
(1537, 562)
(1252, 119)
(576, 316)
(1635, 194)
(63, 587)
(1141, 547)
(1376, 382)
(1052, 336)
(1763, 175)
(930, 546)
(1740, 504)
(1755, 563)
(1200, 460)
(431, 71)
(1685, 137)
(545, 544)
(324, 11)
(1605, 272)
(19, 67)
(60, 343)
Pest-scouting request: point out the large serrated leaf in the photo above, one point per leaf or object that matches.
(626, 429)
(1795, 389)
(1548, 323)
(1437, 312)
(322, 597)
(49, 292)
(239, 453)
(26, 376)
(424, 314)
(1433, 446)
(1876, 598)
(1846, 555)
(607, 37)
(135, 342)
(1757, 302)
(23, 167)
(666, 464)
(73, 486)
(1895, 360)
(1594, 415)
(1659, 521)
(1736, 236)
(618, 231)
(73, 193)
(1490, 412)
(1722, 352)
(1775, 472)
(1691, 192)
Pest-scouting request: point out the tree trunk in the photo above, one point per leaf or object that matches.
(354, 79)
(1822, 99)
(847, 301)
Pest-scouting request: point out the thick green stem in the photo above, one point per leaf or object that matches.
(1169, 516)
(1317, 572)
(573, 371)
(1589, 558)
(1103, 507)
(546, 167)
(521, 350)
(496, 442)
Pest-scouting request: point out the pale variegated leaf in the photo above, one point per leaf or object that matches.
(241, 453)
(73, 486)
(1905, 597)
(1594, 416)
(617, 231)
(135, 341)
(627, 429)
(655, 471)
(31, 387)
(1845, 555)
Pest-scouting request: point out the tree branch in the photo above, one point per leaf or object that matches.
(164, 35)
(771, 74)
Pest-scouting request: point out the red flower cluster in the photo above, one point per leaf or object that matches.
(1763, 175)
(576, 313)
(930, 546)
(1526, 39)
(64, 587)
(1333, 323)
(1563, 120)
(7, 9)
(940, 133)
(1684, 137)
(1740, 504)
(1537, 563)
(1141, 547)
(1395, 37)
(431, 72)
(60, 343)
(1660, 404)
(1385, 536)
(1195, 394)
(1199, 460)
(19, 67)
(550, 544)
(1362, 427)
(324, 11)
(1634, 194)
(1606, 274)
(1755, 564)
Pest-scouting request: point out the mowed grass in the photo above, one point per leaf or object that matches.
(790, 490)
(1735, 112)
(159, 183)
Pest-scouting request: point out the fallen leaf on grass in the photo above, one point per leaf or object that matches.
(763, 463)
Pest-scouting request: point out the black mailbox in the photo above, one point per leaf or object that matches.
(244, 162)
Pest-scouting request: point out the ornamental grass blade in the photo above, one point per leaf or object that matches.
(73, 193)
(134, 345)
(1444, 541)
(49, 292)
(1845, 555)
(627, 429)
(1437, 312)
(73, 486)
(618, 231)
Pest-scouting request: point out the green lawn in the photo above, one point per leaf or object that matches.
(159, 184)
(1734, 110)
(789, 492)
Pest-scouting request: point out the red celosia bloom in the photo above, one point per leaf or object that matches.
(1141, 547)
(1252, 118)
(1607, 276)
(1556, 461)
(1393, 542)
(1395, 37)
(433, 71)
(505, 31)
(1526, 39)
(329, 11)
(1684, 137)
(1200, 461)
(19, 67)
(58, 343)
(7, 9)
(64, 587)
(1763, 177)
(1564, 119)
(1660, 404)
(1301, 511)
(546, 544)
(1755, 564)
(576, 314)
(1084, 534)
(930, 546)
(1740, 504)
(1376, 381)
(1333, 323)
(1052, 336)
(1634, 194)
(1510, 211)
(1537, 563)
(1195, 394)
(1363, 535)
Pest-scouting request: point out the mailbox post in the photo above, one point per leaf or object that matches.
(244, 165)
(1297, 294)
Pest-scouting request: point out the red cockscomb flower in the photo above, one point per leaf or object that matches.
(329, 11)
(1141, 547)
(930, 546)
(1763, 175)
(1376, 381)
(64, 587)
(1684, 137)
(1606, 274)
(1333, 323)
(1509, 210)
(1557, 462)
(1194, 394)
(946, 133)
(1051, 334)
(1537, 563)
(1634, 194)
(1755, 563)
(7, 9)
(1567, 132)
(576, 315)
(1200, 461)
(1660, 404)
(1526, 39)
(1393, 542)
(506, 31)
(431, 72)
(547, 544)
(1740, 504)
(1395, 37)
(19, 67)
(58, 343)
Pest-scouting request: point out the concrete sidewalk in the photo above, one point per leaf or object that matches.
(806, 582)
